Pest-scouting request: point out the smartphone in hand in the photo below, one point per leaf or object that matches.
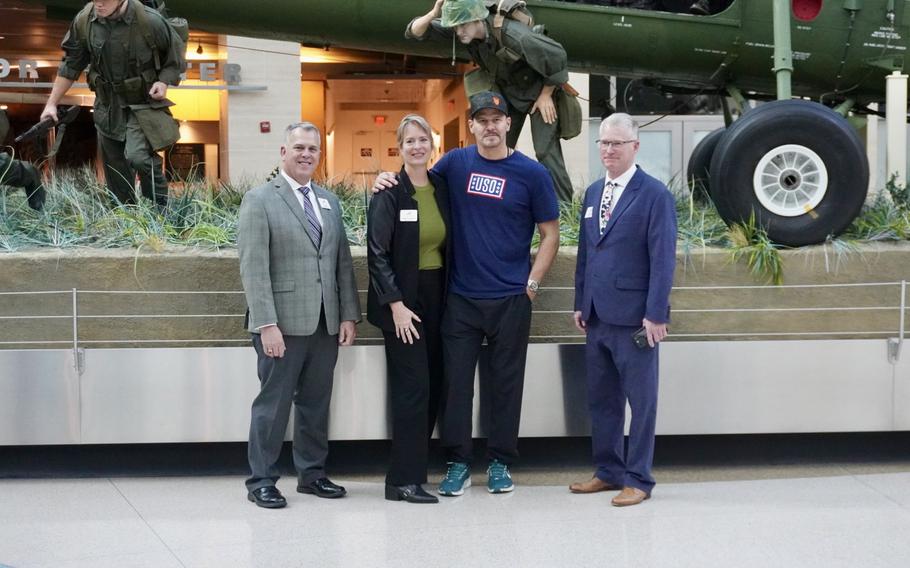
(640, 338)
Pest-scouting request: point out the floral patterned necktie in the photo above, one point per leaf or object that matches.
(606, 205)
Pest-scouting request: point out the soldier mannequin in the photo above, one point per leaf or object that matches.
(130, 82)
(528, 82)
(16, 173)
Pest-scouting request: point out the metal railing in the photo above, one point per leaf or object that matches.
(895, 336)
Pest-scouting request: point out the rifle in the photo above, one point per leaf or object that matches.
(65, 116)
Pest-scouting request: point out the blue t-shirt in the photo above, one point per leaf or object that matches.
(495, 206)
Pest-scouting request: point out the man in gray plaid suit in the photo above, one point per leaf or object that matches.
(298, 278)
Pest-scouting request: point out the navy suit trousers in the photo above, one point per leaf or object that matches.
(617, 372)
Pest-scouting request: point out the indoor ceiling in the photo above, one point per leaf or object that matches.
(25, 32)
(391, 90)
(353, 76)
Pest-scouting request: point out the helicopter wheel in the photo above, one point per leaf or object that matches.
(698, 173)
(797, 166)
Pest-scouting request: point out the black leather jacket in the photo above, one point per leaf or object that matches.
(393, 248)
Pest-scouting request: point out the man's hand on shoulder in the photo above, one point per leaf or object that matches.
(385, 180)
(347, 331)
(656, 331)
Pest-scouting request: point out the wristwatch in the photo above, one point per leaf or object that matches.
(533, 285)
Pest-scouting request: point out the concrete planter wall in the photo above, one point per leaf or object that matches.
(96, 273)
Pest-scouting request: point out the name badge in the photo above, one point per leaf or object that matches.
(324, 203)
(408, 215)
(589, 212)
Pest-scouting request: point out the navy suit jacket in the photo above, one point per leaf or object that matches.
(627, 273)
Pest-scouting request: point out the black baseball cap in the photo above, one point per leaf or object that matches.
(488, 99)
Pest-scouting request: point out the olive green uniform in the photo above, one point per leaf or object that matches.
(122, 69)
(529, 62)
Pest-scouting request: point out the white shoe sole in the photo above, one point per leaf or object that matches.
(458, 493)
(507, 490)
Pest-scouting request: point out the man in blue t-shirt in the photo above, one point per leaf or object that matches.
(497, 196)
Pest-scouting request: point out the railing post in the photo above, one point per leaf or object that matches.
(895, 343)
(78, 354)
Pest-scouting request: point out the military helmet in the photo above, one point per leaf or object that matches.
(457, 12)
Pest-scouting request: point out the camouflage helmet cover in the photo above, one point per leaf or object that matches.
(457, 12)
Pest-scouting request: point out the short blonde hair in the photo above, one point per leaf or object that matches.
(418, 121)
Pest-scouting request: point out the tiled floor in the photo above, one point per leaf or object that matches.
(849, 519)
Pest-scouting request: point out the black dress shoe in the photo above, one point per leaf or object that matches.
(409, 493)
(322, 487)
(268, 497)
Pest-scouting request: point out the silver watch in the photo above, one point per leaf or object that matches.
(533, 285)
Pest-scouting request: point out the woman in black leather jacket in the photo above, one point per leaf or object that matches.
(408, 260)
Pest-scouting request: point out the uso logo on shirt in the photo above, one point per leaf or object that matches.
(486, 186)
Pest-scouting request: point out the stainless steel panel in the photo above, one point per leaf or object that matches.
(167, 395)
(902, 389)
(39, 397)
(775, 386)
(204, 394)
(555, 399)
(359, 408)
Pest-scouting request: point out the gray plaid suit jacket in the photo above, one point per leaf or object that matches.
(285, 279)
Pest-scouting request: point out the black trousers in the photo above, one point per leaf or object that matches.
(506, 324)
(415, 374)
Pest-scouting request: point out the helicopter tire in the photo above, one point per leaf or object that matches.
(797, 167)
(698, 172)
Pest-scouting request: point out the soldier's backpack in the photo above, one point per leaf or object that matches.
(179, 29)
(512, 9)
(567, 106)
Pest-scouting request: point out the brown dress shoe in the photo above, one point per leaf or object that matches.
(593, 486)
(630, 496)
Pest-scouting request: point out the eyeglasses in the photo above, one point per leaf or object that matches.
(607, 144)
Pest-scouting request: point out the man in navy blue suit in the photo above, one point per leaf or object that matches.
(623, 277)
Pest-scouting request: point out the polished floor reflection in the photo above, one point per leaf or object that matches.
(827, 521)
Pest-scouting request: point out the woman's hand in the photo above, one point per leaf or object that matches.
(404, 322)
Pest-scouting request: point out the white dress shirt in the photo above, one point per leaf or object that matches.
(300, 197)
(619, 184)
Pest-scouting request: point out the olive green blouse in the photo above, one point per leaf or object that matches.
(432, 228)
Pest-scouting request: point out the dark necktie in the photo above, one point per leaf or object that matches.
(312, 220)
(606, 205)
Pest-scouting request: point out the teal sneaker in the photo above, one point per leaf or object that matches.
(499, 480)
(457, 479)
